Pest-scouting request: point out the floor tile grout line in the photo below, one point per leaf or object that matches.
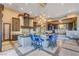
(71, 44)
(16, 50)
(29, 52)
(55, 54)
(57, 51)
(21, 54)
(70, 49)
(7, 49)
(48, 52)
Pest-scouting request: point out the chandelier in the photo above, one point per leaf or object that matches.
(43, 5)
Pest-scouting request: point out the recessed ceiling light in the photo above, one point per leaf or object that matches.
(22, 8)
(10, 3)
(72, 10)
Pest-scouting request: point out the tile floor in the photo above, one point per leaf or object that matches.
(69, 48)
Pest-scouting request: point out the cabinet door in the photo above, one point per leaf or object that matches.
(31, 22)
(26, 22)
(15, 24)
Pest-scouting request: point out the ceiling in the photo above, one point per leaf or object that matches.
(50, 10)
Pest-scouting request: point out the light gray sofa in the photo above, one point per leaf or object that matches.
(72, 34)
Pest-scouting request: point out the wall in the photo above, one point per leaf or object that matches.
(8, 14)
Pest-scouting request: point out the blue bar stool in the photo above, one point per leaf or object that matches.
(39, 41)
(33, 39)
(52, 40)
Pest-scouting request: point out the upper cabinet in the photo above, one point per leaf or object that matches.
(27, 20)
(15, 24)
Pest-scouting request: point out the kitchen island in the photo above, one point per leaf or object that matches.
(24, 40)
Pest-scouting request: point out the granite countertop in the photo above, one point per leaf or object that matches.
(24, 35)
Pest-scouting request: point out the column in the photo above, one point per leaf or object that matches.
(21, 22)
(78, 23)
(1, 15)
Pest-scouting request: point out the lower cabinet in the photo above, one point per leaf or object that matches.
(24, 41)
(14, 37)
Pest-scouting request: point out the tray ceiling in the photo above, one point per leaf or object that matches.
(50, 10)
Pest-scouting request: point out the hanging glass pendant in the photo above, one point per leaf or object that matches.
(43, 5)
